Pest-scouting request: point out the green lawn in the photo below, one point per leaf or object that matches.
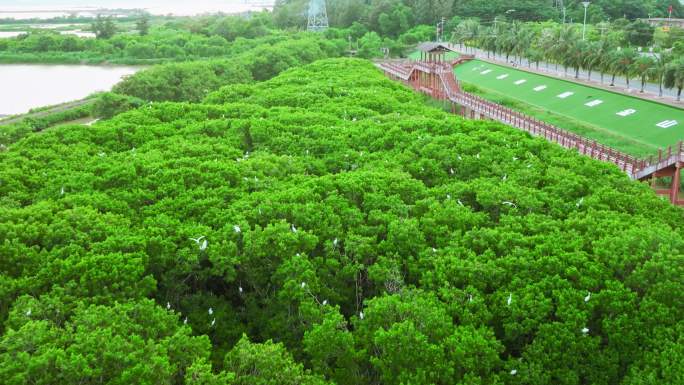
(638, 127)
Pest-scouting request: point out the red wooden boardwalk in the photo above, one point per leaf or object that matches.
(436, 78)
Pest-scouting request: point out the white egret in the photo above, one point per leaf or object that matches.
(335, 242)
(28, 312)
(510, 299)
(579, 203)
(294, 229)
(303, 285)
(448, 196)
(361, 315)
(197, 240)
(529, 166)
(507, 203)
(585, 330)
(478, 155)
(168, 306)
(459, 202)
(203, 246)
(434, 250)
(470, 298)
(213, 322)
(515, 158)
(240, 289)
(185, 321)
(514, 372)
(504, 177)
(237, 229)
(325, 302)
(451, 171)
(459, 158)
(211, 311)
(588, 297)
(61, 191)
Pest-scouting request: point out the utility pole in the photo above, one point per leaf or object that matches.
(563, 15)
(584, 28)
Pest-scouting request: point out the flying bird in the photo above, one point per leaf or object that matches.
(197, 240)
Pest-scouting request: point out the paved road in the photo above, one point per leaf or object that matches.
(39, 114)
(550, 68)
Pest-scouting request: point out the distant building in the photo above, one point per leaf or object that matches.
(665, 22)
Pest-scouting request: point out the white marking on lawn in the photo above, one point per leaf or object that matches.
(565, 94)
(540, 88)
(667, 124)
(501, 77)
(626, 112)
(519, 82)
(485, 72)
(594, 103)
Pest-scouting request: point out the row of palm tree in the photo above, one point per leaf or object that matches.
(564, 46)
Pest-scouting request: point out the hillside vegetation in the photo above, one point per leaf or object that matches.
(342, 232)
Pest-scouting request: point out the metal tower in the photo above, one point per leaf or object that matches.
(318, 17)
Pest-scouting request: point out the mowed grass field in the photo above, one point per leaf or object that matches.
(648, 125)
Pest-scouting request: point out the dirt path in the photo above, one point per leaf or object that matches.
(39, 114)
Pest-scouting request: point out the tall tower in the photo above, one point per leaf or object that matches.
(318, 17)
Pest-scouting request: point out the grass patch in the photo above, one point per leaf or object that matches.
(637, 133)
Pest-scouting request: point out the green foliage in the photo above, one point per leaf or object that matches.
(353, 235)
(110, 104)
(104, 27)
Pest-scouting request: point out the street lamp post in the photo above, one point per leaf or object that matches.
(584, 28)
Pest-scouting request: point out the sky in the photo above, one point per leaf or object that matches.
(178, 7)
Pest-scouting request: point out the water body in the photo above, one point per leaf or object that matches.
(26, 86)
(77, 32)
(44, 9)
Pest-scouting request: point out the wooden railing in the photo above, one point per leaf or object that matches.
(450, 90)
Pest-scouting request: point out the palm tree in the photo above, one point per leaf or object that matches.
(597, 51)
(566, 38)
(674, 77)
(643, 67)
(524, 39)
(605, 64)
(624, 59)
(534, 55)
(577, 52)
(658, 71)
